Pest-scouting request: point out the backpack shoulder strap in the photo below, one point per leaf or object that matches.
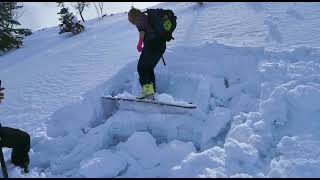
(146, 11)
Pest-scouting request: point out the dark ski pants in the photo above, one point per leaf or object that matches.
(19, 141)
(149, 58)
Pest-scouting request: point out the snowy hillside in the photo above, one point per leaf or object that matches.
(251, 68)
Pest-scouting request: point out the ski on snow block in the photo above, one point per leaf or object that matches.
(133, 99)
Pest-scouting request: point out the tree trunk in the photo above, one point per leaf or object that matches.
(81, 17)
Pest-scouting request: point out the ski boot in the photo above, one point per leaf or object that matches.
(25, 168)
(147, 92)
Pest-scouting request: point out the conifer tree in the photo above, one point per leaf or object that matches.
(10, 35)
(69, 22)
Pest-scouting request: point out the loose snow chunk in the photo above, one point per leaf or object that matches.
(305, 97)
(213, 173)
(241, 132)
(166, 98)
(125, 95)
(103, 163)
(294, 146)
(294, 168)
(240, 175)
(259, 126)
(299, 157)
(240, 151)
(198, 163)
(142, 147)
(176, 150)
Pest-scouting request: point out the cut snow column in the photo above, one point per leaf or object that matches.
(202, 95)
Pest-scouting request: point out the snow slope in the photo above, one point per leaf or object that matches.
(251, 68)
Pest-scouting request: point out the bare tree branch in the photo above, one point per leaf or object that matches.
(79, 7)
(18, 13)
(99, 8)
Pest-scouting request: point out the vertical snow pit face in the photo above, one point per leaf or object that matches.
(202, 95)
(185, 87)
(182, 87)
(237, 62)
(218, 94)
(274, 110)
(217, 88)
(141, 107)
(136, 87)
(162, 80)
(163, 127)
(243, 103)
(216, 122)
(109, 107)
(61, 123)
(124, 123)
(86, 111)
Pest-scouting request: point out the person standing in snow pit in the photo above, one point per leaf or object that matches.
(151, 52)
(16, 139)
